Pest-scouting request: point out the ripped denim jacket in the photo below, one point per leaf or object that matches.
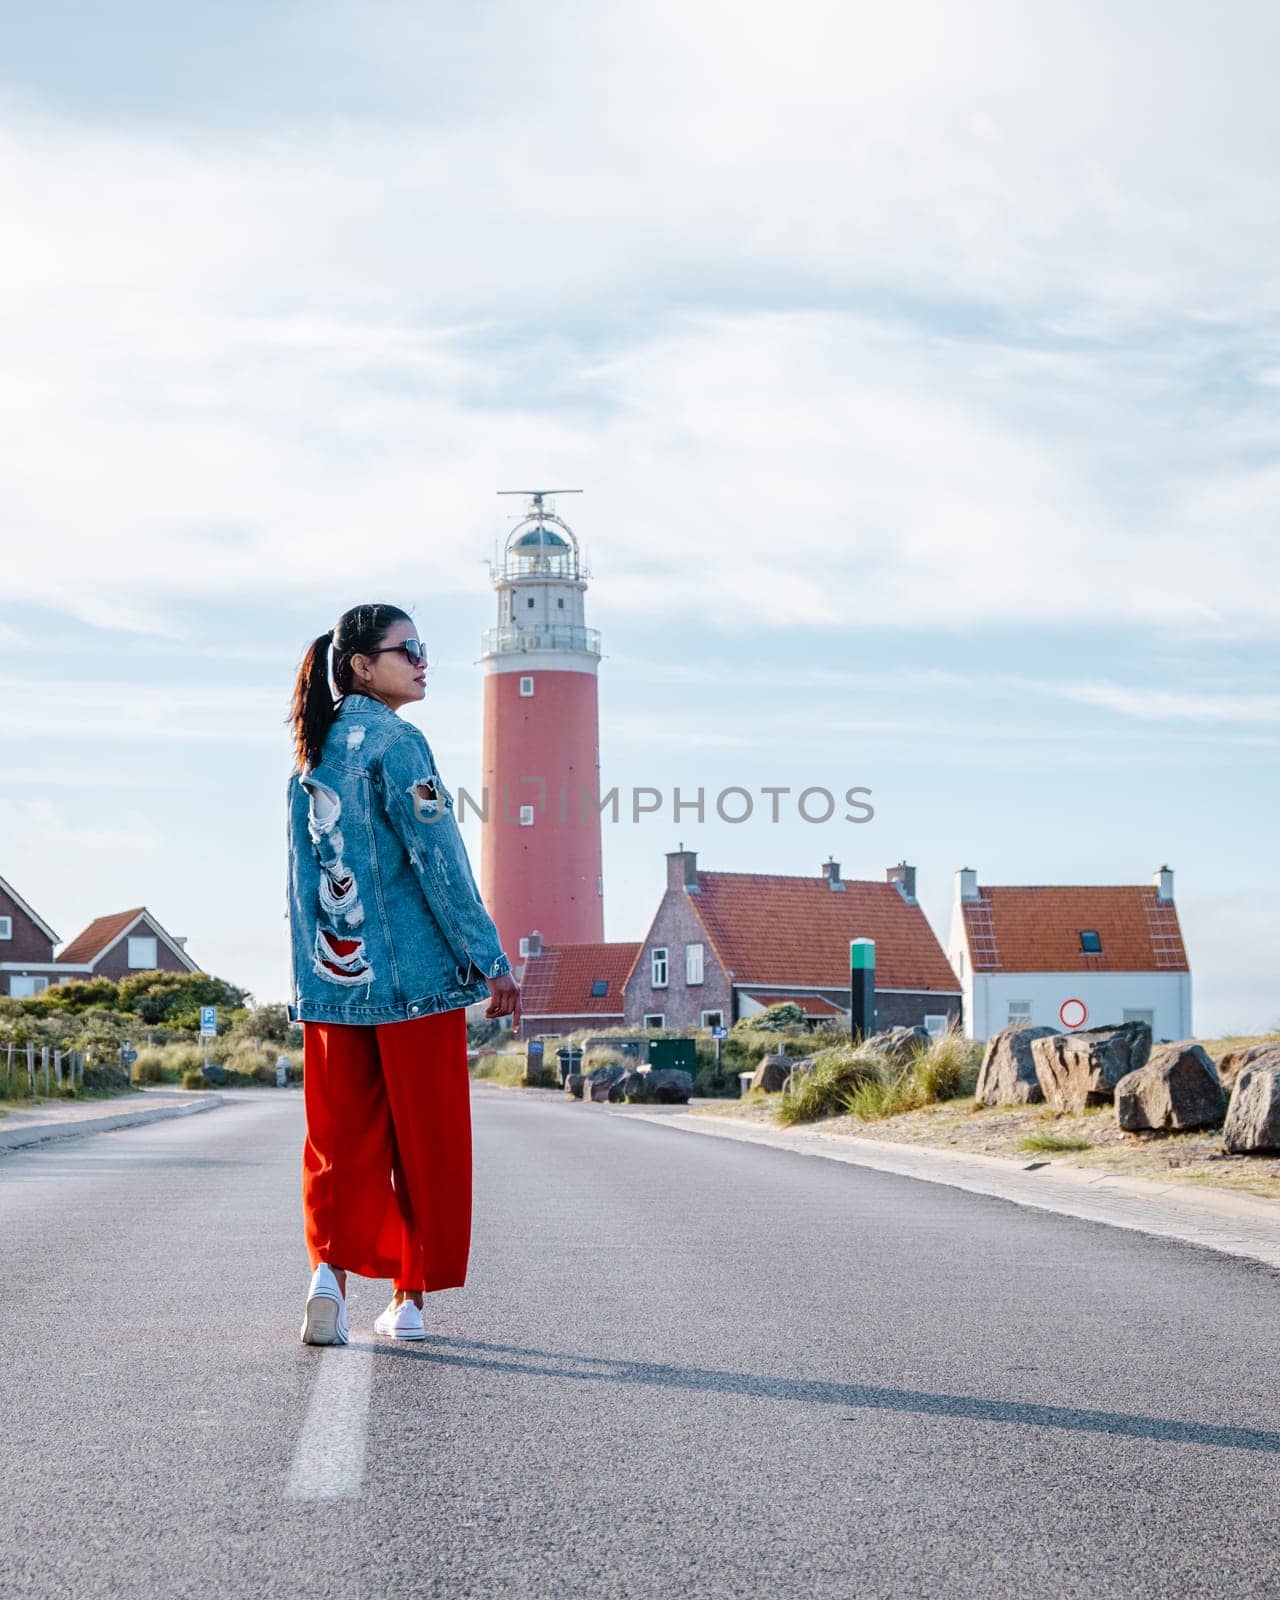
(385, 919)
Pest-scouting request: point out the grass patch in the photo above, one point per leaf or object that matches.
(868, 1084)
(505, 1067)
(821, 1091)
(1053, 1143)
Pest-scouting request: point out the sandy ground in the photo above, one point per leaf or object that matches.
(960, 1125)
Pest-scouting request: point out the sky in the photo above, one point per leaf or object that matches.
(919, 365)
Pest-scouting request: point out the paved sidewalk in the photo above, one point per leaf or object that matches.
(70, 1119)
(1235, 1224)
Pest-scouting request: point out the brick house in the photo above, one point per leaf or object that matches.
(110, 947)
(564, 987)
(724, 945)
(1070, 955)
(26, 946)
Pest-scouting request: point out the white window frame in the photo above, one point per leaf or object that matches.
(526, 816)
(526, 686)
(693, 963)
(659, 962)
(524, 945)
(1145, 1014)
(144, 939)
(707, 1022)
(38, 983)
(1017, 1013)
(654, 1019)
(935, 1024)
(6, 927)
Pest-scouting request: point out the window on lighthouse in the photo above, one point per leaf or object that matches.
(526, 687)
(526, 816)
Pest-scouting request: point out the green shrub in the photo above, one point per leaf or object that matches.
(193, 1079)
(948, 1068)
(823, 1090)
(506, 1066)
(1053, 1142)
(151, 1067)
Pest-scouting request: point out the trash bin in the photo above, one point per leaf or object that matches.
(568, 1059)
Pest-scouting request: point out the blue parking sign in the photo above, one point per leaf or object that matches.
(208, 1022)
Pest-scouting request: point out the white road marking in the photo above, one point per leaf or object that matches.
(328, 1461)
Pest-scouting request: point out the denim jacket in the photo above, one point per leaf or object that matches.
(385, 919)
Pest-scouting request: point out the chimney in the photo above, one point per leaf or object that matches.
(535, 943)
(1162, 877)
(831, 872)
(682, 870)
(903, 879)
(967, 884)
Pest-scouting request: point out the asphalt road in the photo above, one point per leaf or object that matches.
(682, 1367)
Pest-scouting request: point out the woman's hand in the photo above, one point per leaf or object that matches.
(504, 998)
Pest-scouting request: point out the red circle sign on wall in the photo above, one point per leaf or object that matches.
(1072, 1013)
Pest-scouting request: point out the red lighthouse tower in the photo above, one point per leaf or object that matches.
(540, 842)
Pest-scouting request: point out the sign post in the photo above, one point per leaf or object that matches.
(862, 988)
(208, 1027)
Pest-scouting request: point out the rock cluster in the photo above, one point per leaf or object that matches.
(1178, 1088)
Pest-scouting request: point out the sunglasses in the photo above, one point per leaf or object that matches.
(414, 650)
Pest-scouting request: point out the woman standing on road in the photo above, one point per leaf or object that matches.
(390, 942)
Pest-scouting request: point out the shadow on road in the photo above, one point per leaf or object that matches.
(568, 1367)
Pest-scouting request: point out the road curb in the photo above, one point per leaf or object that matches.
(1239, 1225)
(46, 1132)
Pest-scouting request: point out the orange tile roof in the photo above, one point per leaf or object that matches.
(94, 939)
(558, 982)
(813, 1005)
(769, 929)
(1036, 928)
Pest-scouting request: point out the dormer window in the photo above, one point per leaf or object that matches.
(1090, 942)
(599, 988)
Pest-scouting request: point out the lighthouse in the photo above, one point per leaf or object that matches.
(540, 865)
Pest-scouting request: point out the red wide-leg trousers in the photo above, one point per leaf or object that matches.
(386, 1169)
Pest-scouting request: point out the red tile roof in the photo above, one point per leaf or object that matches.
(558, 982)
(813, 1005)
(769, 929)
(94, 939)
(1036, 928)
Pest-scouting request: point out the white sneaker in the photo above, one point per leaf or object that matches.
(325, 1319)
(403, 1321)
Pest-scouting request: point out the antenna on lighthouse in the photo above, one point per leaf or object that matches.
(537, 496)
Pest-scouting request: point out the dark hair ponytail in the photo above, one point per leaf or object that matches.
(311, 714)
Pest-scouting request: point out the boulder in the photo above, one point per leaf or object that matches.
(214, 1074)
(670, 1086)
(1178, 1088)
(597, 1083)
(1253, 1117)
(1079, 1069)
(631, 1086)
(771, 1074)
(900, 1044)
(1234, 1062)
(1008, 1073)
(801, 1067)
(573, 1085)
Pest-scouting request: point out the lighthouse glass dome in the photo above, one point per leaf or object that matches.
(537, 549)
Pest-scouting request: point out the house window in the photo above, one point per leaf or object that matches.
(935, 1025)
(1090, 942)
(655, 1019)
(524, 946)
(712, 1019)
(529, 602)
(693, 963)
(560, 602)
(526, 816)
(23, 988)
(142, 954)
(1147, 1016)
(526, 687)
(658, 967)
(599, 988)
(1019, 1011)
(6, 927)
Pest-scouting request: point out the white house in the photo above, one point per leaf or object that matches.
(1070, 956)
